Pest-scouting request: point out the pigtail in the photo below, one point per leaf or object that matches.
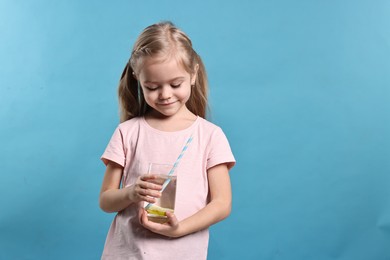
(130, 96)
(198, 101)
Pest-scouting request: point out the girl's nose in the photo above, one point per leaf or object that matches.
(165, 93)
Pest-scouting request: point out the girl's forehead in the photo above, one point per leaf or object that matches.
(164, 59)
(155, 69)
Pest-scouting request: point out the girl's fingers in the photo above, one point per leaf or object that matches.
(150, 186)
(142, 216)
(172, 220)
(150, 193)
(147, 195)
(146, 190)
(145, 183)
(151, 178)
(148, 199)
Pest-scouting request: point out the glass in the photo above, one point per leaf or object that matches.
(157, 211)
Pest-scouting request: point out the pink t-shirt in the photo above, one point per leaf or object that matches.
(134, 145)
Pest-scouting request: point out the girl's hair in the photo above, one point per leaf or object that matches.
(161, 40)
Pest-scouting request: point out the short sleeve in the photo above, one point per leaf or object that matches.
(219, 150)
(115, 150)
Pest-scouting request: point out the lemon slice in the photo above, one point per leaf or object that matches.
(158, 211)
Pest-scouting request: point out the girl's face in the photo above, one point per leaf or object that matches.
(166, 86)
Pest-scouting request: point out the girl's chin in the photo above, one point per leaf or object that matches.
(163, 114)
(168, 111)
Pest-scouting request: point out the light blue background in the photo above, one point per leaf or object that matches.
(301, 88)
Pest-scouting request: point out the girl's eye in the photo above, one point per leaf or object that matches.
(151, 88)
(176, 85)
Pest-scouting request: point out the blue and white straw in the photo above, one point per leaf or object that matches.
(173, 168)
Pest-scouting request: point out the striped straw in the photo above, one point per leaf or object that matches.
(173, 168)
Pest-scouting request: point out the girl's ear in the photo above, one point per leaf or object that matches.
(135, 76)
(193, 76)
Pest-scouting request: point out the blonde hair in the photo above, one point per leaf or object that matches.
(161, 39)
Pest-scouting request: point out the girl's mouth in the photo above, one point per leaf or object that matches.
(166, 104)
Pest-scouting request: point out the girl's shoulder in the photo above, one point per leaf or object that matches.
(209, 128)
(129, 125)
(204, 123)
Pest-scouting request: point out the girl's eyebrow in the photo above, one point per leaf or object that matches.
(171, 80)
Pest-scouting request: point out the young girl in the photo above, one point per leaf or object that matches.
(163, 100)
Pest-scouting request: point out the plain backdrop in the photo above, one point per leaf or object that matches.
(301, 89)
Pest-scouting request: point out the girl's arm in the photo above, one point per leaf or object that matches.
(216, 210)
(113, 198)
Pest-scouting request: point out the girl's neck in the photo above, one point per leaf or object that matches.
(173, 123)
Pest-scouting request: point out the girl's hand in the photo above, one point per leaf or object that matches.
(169, 229)
(144, 189)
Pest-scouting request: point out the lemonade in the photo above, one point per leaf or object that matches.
(166, 203)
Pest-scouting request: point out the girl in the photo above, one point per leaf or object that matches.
(163, 100)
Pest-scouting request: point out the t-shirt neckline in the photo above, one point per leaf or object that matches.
(143, 121)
